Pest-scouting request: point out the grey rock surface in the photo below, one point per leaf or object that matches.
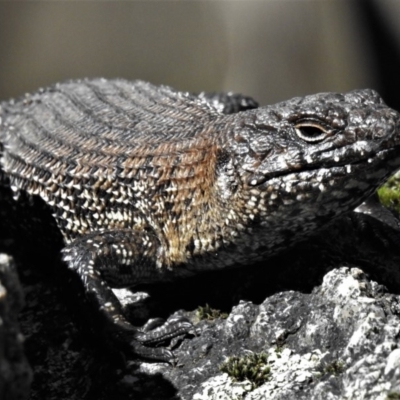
(339, 342)
(15, 372)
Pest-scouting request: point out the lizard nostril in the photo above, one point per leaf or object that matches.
(382, 130)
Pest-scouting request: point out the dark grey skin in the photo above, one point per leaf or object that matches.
(147, 184)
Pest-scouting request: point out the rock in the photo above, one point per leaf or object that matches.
(340, 341)
(15, 372)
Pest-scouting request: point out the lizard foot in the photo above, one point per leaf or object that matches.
(99, 259)
(155, 332)
(153, 353)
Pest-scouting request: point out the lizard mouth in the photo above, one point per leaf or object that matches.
(380, 166)
(387, 160)
(332, 188)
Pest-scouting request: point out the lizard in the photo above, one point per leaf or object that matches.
(148, 184)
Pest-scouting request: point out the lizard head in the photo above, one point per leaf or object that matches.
(324, 153)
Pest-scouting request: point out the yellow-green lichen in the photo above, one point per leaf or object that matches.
(389, 193)
(210, 314)
(278, 350)
(253, 367)
(334, 368)
(393, 396)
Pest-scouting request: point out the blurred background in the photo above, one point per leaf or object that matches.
(271, 50)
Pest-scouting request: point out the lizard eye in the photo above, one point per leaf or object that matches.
(311, 131)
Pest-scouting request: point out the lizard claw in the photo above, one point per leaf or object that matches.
(175, 326)
(153, 353)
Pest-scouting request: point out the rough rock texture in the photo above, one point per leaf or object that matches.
(339, 342)
(15, 373)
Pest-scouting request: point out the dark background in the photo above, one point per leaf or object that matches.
(271, 50)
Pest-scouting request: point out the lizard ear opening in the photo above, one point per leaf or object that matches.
(311, 131)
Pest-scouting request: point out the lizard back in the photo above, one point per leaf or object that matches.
(101, 152)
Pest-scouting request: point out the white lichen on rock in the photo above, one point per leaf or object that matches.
(289, 371)
(365, 364)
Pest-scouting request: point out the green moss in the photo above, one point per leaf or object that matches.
(253, 367)
(210, 314)
(278, 350)
(334, 368)
(389, 193)
(393, 396)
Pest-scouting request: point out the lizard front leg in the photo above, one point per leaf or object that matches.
(121, 259)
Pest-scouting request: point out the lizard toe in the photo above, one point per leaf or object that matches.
(153, 353)
(174, 326)
(152, 324)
